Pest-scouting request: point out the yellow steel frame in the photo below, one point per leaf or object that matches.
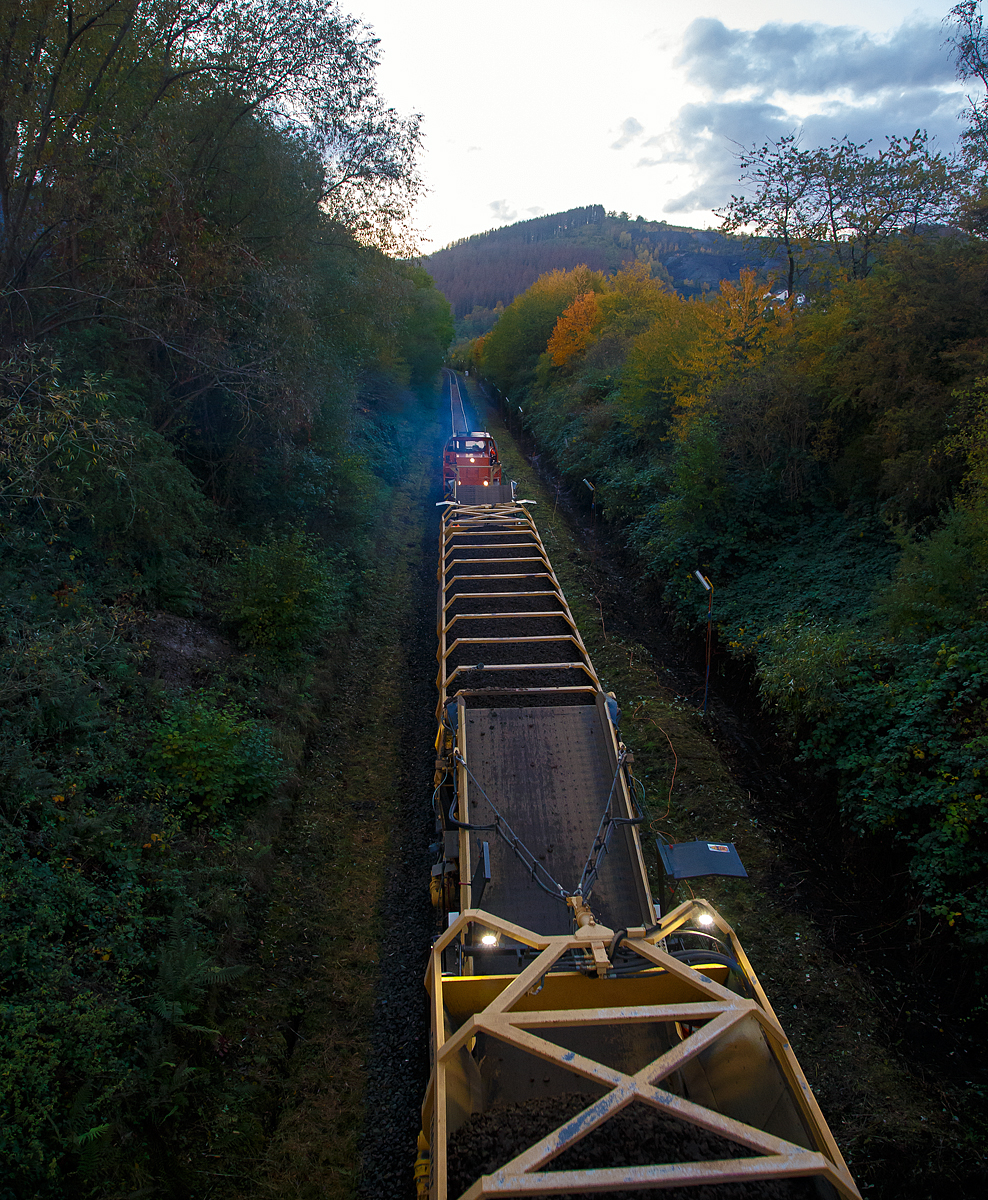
(502, 521)
(515, 1009)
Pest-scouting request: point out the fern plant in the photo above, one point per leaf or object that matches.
(185, 974)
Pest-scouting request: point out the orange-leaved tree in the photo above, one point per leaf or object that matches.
(575, 330)
(515, 344)
(624, 306)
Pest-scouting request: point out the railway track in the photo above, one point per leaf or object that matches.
(458, 418)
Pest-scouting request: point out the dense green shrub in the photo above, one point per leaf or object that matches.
(58, 441)
(803, 665)
(285, 593)
(909, 738)
(107, 964)
(67, 954)
(63, 661)
(206, 757)
(941, 580)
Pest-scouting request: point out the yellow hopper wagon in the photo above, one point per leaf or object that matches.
(582, 1042)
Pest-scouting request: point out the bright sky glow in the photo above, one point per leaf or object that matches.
(534, 106)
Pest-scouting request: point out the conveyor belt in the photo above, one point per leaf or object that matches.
(532, 724)
(550, 772)
(458, 419)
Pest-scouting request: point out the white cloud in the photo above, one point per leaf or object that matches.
(812, 59)
(630, 129)
(818, 82)
(504, 214)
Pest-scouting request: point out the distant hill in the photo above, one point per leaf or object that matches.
(479, 275)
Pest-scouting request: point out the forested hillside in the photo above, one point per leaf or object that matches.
(824, 463)
(481, 274)
(204, 344)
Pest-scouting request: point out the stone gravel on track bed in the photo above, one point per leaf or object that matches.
(398, 1067)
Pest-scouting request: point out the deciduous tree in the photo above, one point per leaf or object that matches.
(838, 204)
(574, 330)
(780, 208)
(515, 344)
(97, 104)
(969, 47)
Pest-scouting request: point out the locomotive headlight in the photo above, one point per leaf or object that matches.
(489, 939)
(705, 919)
(486, 483)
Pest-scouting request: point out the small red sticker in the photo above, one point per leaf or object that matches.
(719, 849)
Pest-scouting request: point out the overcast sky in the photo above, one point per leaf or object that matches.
(535, 106)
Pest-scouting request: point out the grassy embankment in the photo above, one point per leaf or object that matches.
(300, 1023)
(897, 1131)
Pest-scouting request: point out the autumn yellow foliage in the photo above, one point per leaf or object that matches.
(575, 330)
(736, 330)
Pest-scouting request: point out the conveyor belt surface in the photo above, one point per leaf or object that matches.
(549, 772)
